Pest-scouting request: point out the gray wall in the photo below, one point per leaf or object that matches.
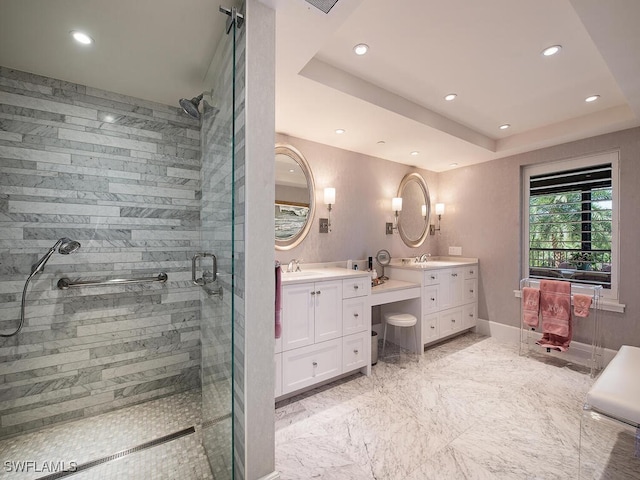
(483, 216)
(364, 188)
(120, 175)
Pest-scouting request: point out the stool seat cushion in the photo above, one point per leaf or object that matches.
(400, 319)
(616, 392)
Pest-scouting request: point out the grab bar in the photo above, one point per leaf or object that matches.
(65, 283)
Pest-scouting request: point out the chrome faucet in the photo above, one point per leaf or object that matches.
(294, 266)
(424, 257)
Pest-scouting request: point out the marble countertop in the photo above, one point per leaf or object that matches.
(319, 274)
(433, 263)
(392, 285)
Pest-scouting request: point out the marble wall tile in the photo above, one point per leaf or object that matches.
(120, 175)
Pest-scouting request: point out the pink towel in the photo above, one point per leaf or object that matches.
(581, 305)
(555, 307)
(530, 306)
(278, 295)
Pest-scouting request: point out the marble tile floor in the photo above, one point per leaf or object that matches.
(93, 438)
(471, 408)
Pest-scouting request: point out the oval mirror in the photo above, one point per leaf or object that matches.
(295, 194)
(413, 220)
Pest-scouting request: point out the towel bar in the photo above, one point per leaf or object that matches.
(65, 283)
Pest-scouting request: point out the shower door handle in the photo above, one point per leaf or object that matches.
(207, 276)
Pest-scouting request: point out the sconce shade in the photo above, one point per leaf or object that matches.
(329, 196)
(396, 204)
(439, 208)
(424, 210)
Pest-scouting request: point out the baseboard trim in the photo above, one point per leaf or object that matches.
(579, 353)
(272, 476)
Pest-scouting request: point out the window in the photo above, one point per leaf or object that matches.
(570, 212)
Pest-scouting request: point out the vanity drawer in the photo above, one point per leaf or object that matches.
(471, 271)
(432, 277)
(355, 351)
(450, 321)
(470, 293)
(354, 315)
(430, 329)
(356, 287)
(306, 366)
(470, 315)
(430, 298)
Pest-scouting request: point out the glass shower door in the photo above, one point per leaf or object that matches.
(222, 106)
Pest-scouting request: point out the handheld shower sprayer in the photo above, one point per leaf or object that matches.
(65, 246)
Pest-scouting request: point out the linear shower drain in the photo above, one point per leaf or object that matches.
(123, 453)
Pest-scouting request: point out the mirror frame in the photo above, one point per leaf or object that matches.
(408, 178)
(296, 156)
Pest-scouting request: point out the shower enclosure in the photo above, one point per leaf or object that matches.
(144, 188)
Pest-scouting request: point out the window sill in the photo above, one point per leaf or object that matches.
(606, 304)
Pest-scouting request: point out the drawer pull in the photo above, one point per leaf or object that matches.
(453, 320)
(355, 351)
(313, 293)
(471, 272)
(433, 299)
(355, 315)
(454, 274)
(433, 327)
(471, 314)
(432, 277)
(355, 287)
(318, 292)
(315, 364)
(470, 291)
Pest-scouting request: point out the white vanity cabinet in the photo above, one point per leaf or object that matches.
(449, 297)
(326, 330)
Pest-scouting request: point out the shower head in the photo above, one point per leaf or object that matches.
(68, 246)
(65, 246)
(190, 107)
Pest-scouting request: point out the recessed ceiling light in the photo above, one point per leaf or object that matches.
(453, 164)
(450, 97)
(504, 126)
(552, 50)
(592, 98)
(81, 37)
(414, 153)
(361, 48)
(291, 170)
(340, 131)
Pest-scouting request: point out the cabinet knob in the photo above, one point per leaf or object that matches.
(315, 364)
(355, 315)
(318, 292)
(453, 320)
(454, 274)
(470, 291)
(355, 287)
(471, 272)
(313, 293)
(433, 327)
(471, 314)
(432, 277)
(355, 351)
(433, 299)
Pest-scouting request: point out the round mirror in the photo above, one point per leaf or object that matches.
(413, 220)
(295, 194)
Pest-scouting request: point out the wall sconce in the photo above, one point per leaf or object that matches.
(329, 200)
(439, 213)
(396, 206)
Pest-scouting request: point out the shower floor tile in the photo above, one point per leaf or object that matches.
(96, 437)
